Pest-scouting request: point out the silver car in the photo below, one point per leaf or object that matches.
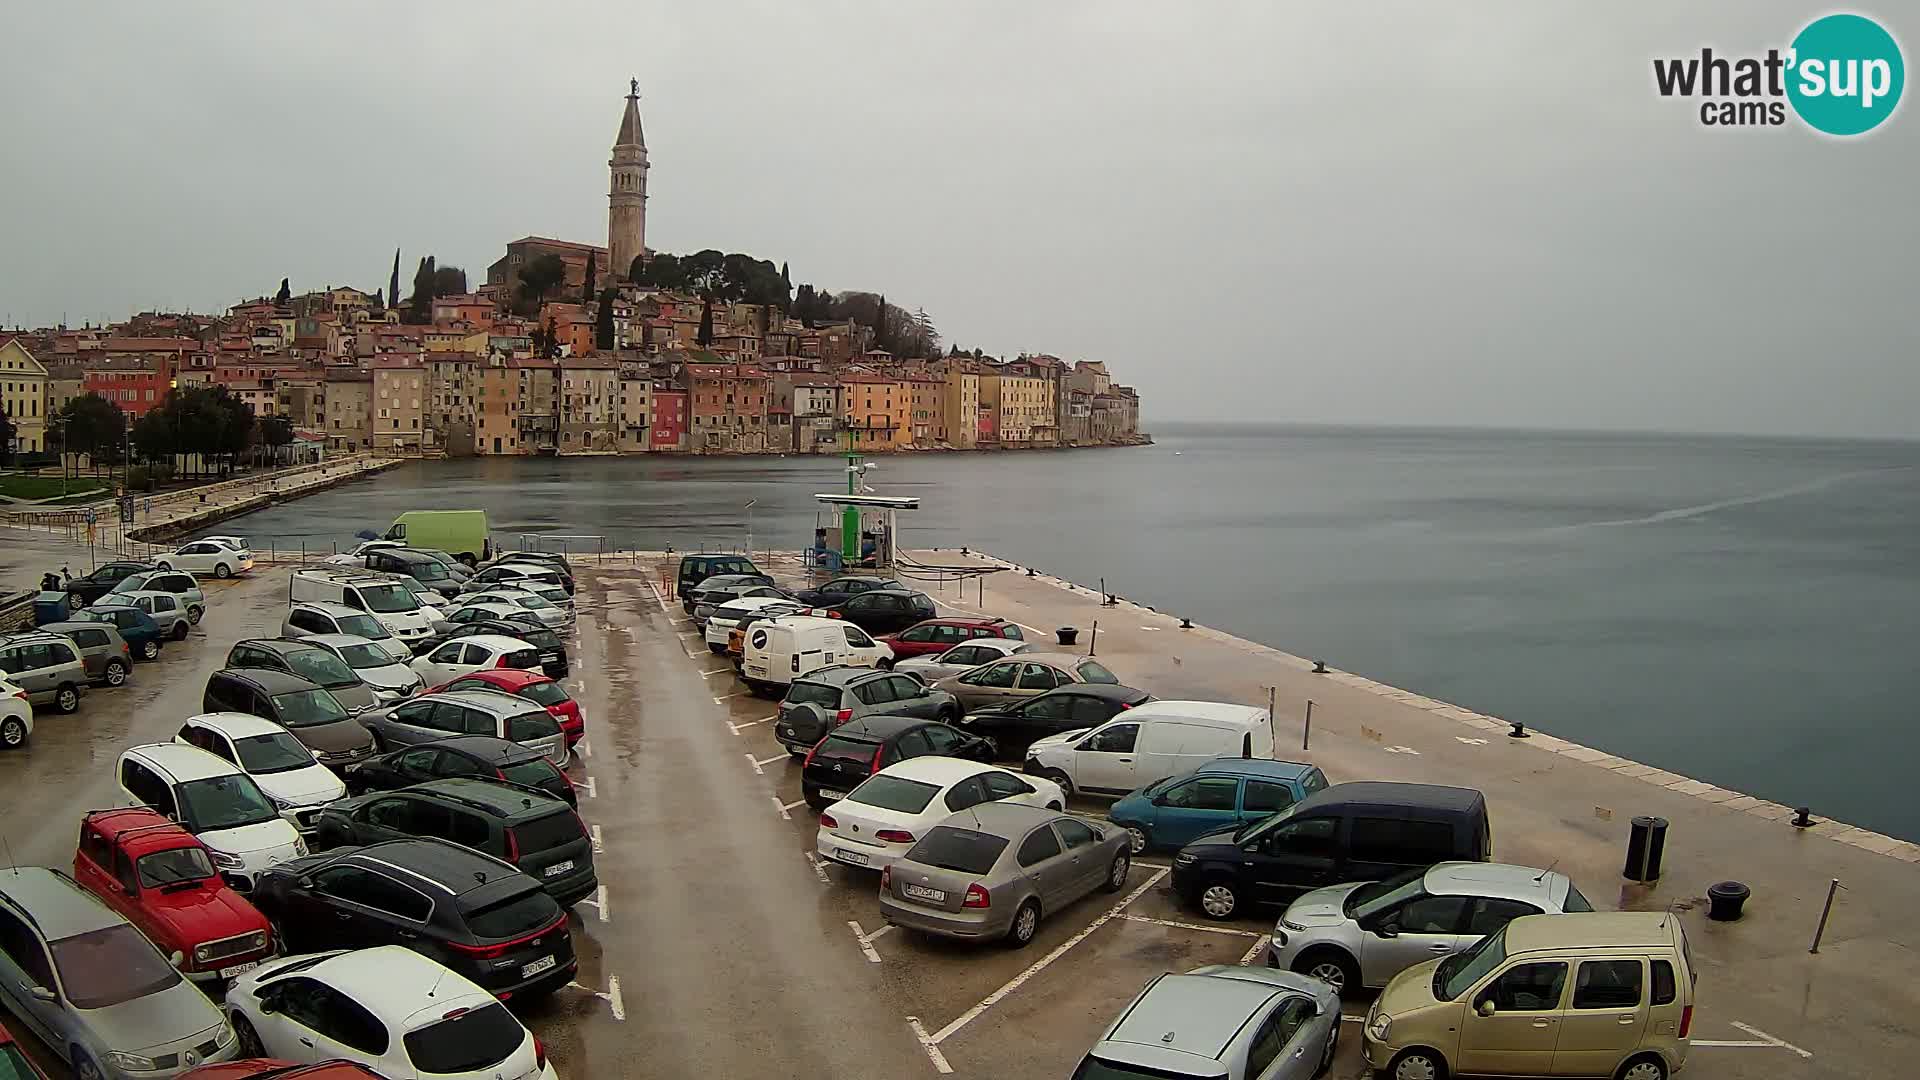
(469, 712)
(962, 657)
(312, 617)
(99, 994)
(1363, 934)
(553, 615)
(163, 607)
(390, 680)
(992, 871)
(1029, 674)
(1223, 1022)
(178, 582)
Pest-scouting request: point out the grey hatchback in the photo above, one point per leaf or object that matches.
(102, 650)
(47, 666)
(1223, 1022)
(831, 696)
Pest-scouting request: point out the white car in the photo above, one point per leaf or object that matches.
(207, 557)
(358, 556)
(390, 678)
(553, 615)
(462, 656)
(732, 613)
(282, 766)
(892, 809)
(16, 715)
(962, 658)
(215, 801)
(304, 620)
(402, 1015)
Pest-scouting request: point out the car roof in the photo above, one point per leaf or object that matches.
(155, 832)
(1389, 793)
(934, 769)
(184, 763)
(327, 607)
(339, 641)
(457, 870)
(961, 620)
(1265, 768)
(59, 906)
(1225, 711)
(1086, 689)
(235, 725)
(269, 680)
(1057, 659)
(62, 628)
(39, 634)
(1194, 1014)
(1009, 821)
(841, 675)
(390, 973)
(493, 701)
(880, 727)
(1504, 881)
(894, 590)
(514, 677)
(802, 622)
(283, 646)
(755, 603)
(485, 747)
(1590, 929)
(501, 800)
(498, 642)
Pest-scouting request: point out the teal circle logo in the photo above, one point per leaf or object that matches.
(1845, 74)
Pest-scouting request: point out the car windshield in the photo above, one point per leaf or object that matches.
(1096, 673)
(894, 793)
(804, 693)
(534, 772)
(114, 964)
(468, 1042)
(163, 868)
(538, 637)
(223, 802)
(274, 752)
(1093, 1068)
(1265, 825)
(365, 656)
(1377, 896)
(307, 708)
(365, 626)
(1457, 973)
(321, 666)
(1575, 901)
(544, 693)
(963, 850)
(532, 602)
(518, 914)
(557, 829)
(388, 599)
(428, 570)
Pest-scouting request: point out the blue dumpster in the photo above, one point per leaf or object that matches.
(50, 607)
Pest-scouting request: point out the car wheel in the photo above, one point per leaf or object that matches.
(164, 564)
(75, 601)
(1054, 805)
(1058, 777)
(66, 699)
(466, 558)
(1219, 900)
(884, 665)
(1330, 966)
(1117, 873)
(150, 650)
(248, 1038)
(1026, 923)
(1418, 1063)
(194, 614)
(13, 733)
(222, 570)
(115, 673)
(1647, 1067)
(83, 1064)
(180, 631)
(949, 717)
(1137, 839)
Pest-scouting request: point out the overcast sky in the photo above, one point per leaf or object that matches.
(1425, 214)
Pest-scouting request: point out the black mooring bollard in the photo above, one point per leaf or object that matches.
(1319, 667)
(1802, 818)
(1067, 635)
(1646, 843)
(1519, 731)
(1186, 623)
(1725, 899)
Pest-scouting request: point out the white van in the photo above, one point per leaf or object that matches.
(387, 600)
(1150, 741)
(216, 802)
(781, 650)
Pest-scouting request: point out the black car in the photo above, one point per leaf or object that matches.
(525, 826)
(1018, 724)
(721, 588)
(885, 611)
(420, 566)
(553, 651)
(475, 914)
(462, 755)
(833, 591)
(82, 591)
(859, 748)
(700, 566)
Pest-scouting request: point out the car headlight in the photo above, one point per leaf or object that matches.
(300, 847)
(1293, 926)
(129, 1062)
(1184, 859)
(1379, 1026)
(224, 1037)
(278, 802)
(225, 861)
(202, 953)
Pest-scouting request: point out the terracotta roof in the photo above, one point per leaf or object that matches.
(139, 344)
(389, 363)
(589, 362)
(548, 241)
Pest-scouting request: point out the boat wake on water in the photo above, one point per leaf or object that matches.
(1683, 513)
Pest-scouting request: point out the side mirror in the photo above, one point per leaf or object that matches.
(1388, 930)
(1159, 800)
(269, 1004)
(41, 993)
(1485, 1007)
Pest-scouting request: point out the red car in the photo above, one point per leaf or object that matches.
(281, 1070)
(162, 879)
(14, 1063)
(531, 685)
(939, 635)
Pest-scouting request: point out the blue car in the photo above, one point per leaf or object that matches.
(1222, 794)
(137, 628)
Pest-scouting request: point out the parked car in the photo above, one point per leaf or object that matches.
(1361, 831)
(419, 566)
(698, 567)
(550, 613)
(216, 801)
(523, 826)
(163, 608)
(938, 635)
(992, 872)
(207, 557)
(286, 771)
(519, 573)
(525, 626)
(276, 1069)
(390, 680)
(461, 571)
(712, 599)
(1626, 1012)
(308, 660)
(393, 1013)
(885, 611)
(531, 685)
(460, 533)
(46, 667)
(178, 582)
(1223, 1022)
(720, 588)
(1365, 933)
(933, 667)
(95, 990)
(460, 656)
(160, 877)
(1017, 725)
(829, 697)
(107, 656)
(1004, 682)
(859, 748)
(305, 620)
(470, 712)
(882, 818)
(88, 588)
(461, 755)
(722, 621)
(395, 605)
(780, 650)
(834, 590)
(136, 627)
(471, 912)
(1150, 742)
(16, 715)
(356, 556)
(13, 1063)
(306, 710)
(554, 559)
(1224, 793)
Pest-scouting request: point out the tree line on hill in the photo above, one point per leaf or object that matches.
(206, 426)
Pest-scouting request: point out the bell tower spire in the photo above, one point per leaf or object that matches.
(627, 190)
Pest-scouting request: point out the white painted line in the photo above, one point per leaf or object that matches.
(614, 1001)
(585, 748)
(818, 870)
(861, 936)
(877, 934)
(1227, 930)
(1469, 742)
(600, 901)
(1259, 946)
(735, 727)
(1748, 1043)
(593, 790)
(723, 699)
(926, 1043)
(751, 760)
(794, 805)
(1775, 1040)
(1347, 1018)
(690, 655)
(771, 760)
(781, 807)
(598, 844)
(1401, 750)
(1044, 962)
(716, 671)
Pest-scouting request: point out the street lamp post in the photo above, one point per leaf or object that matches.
(750, 503)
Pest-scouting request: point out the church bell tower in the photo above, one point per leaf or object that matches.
(627, 193)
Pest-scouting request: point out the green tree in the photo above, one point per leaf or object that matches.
(449, 281)
(882, 336)
(285, 294)
(393, 283)
(803, 304)
(92, 425)
(603, 321)
(705, 337)
(7, 435)
(586, 290)
(420, 304)
(540, 277)
(275, 432)
(155, 435)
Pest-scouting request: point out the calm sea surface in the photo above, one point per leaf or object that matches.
(1745, 611)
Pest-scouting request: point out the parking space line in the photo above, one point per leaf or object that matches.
(598, 845)
(781, 807)
(926, 1043)
(866, 943)
(691, 655)
(755, 762)
(750, 723)
(1253, 950)
(1772, 1040)
(818, 870)
(585, 748)
(771, 760)
(794, 805)
(724, 698)
(716, 671)
(593, 790)
(1228, 930)
(600, 901)
(612, 998)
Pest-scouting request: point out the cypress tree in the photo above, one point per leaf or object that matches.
(705, 337)
(285, 294)
(393, 283)
(603, 321)
(586, 291)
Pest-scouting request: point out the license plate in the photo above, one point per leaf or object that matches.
(836, 796)
(558, 868)
(857, 858)
(545, 963)
(238, 969)
(757, 669)
(921, 892)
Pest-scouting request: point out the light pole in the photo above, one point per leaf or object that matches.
(750, 503)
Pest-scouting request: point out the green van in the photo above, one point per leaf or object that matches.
(460, 533)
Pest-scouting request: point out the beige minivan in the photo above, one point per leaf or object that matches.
(1602, 994)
